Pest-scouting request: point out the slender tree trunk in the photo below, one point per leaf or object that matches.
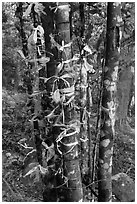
(109, 102)
(36, 97)
(69, 142)
(82, 18)
(20, 28)
(19, 14)
(33, 51)
(50, 193)
(48, 24)
(83, 100)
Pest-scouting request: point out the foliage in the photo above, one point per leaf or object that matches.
(9, 42)
(14, 115)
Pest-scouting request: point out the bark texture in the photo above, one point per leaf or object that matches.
(83, 99)
(69, 141)
(19, 14)
(109, 102)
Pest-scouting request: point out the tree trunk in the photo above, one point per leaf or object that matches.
(67, 181)
(49, 28)
(69, 142)
(83, 100)
(82, 18)
(19, 14)
(109, 102)
(34, 52)
(48, 105)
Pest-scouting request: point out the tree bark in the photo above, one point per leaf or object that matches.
(82, 18)
(69, 142)
(19, 14)
(109, 101)
(83, 99)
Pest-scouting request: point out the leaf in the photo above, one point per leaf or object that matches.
(68, 90)
(35, 93)
(22, 140)
(51, 115)
(88, 49)
(35, 35)
(60, 136)
(45, 145)
(70, 144)
(44, 60)
(50, 152)
(65, 46)
(43, 170)
(40, 29)
(30, 171)
(46, 79)
(84, 75)
(53, 42)
(31, 46)
(69, 94)
(31, 156)
(56, 96)
(76, 57)
(21, 54)
(39, 53)
(28, 10)
(39, 8)
(90, 97)
(88, 66)
(30, 168)
(8, 154)
(76, 125)
(70, 75)
(35, 170)
(59, 67)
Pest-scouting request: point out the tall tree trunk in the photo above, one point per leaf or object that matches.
(20, 28)
(83, 99)
(36, 98)
(48, 105)
(69, 141)
(82, 18)
(32, 49)
(67, 182)
(109, 102)
(48, 24)
(19, 14)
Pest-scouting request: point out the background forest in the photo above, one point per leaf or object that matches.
(68, 101)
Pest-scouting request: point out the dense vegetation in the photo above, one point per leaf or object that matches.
(55, 108)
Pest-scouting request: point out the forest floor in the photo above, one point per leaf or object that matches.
(17, 189)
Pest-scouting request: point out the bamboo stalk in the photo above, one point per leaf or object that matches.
(109, 101)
